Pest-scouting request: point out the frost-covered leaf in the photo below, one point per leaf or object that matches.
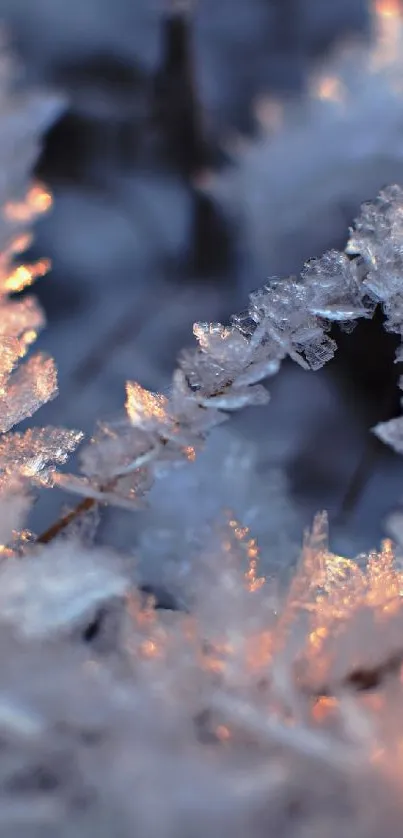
(35, 452)
(31, 386)
(143, 407)
(377, 236)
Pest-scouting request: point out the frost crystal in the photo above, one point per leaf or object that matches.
(377, 237)
(34, 453)
(25, 385)
(287, 317)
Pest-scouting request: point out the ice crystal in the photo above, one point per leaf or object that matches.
(258, 702)
(25, 385)
(35, 452)
(287, 317)
(377, 237)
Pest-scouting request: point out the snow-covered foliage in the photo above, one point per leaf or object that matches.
(255, 710)
(251, 715)
(25, 383)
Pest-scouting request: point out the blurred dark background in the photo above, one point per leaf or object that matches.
(205, 146)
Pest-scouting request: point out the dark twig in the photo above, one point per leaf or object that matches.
(62, 523)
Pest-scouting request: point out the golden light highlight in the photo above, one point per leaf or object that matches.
(387, 8)
(23, 276)
(387, 49)
(30, 337)
(324, 707)
(37, 201)
(328, 88)
(21, 243)
(259, 651)
(223, 733)
(150, 649)
(253, 581)
(143, 405)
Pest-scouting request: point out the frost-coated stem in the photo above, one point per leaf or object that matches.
(287, 317)
(62, 523)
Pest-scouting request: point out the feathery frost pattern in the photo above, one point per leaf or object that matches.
(26, 383)
(289, 317)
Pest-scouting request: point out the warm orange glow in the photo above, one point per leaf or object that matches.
(150, 649)
(214, 655)
(327, 592)
(43, 374)
(141, 613)
(142, 405)
(387, 8)
(324, 707)
(21, 243)
(387, 48)
(239, 532)
(254, 582)
(329, 88)
(37, 201)
(30, 337)
(223, 733)
(317, 637)
(259, 651)
(25, 275)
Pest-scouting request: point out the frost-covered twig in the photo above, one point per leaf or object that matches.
(288, 317)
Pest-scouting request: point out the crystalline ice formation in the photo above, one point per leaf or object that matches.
(287, 317)
(377, 237)
(24, 385)
(34, 453)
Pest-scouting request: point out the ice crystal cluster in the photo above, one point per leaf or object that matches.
(289, 317)
(253, 710)
(27, 379)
